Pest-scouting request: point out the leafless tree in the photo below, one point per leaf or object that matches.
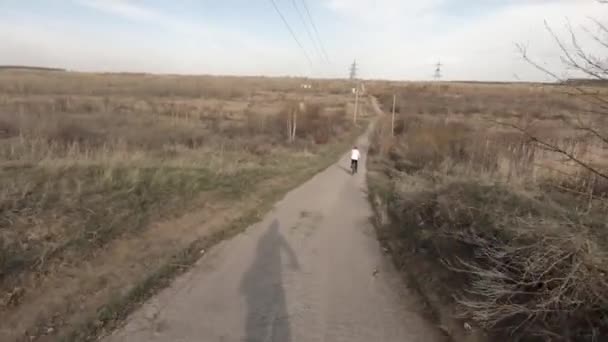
(292, 120)
(575, 57)
(549, 281)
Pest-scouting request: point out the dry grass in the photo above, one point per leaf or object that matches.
(90, 163)
(517, 233)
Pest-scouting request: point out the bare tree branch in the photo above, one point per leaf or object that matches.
(589, 129)
(569, 59)
(553, 148)
(590, 65)
(596, 37)
(593, 64)
(524, 53)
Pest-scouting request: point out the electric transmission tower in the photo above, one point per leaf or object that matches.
(437, 75)
(353, 71)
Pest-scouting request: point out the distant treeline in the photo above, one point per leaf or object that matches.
(499, 82)
(25, 67)
(587, 81)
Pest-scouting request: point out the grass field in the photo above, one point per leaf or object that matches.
(495, 225)
(110, 183)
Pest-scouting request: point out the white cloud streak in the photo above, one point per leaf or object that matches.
(478, 47)
(395, 39)
(122, 8)
(193, 48)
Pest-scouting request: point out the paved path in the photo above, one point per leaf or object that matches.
(312, 270)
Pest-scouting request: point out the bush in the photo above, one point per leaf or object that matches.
(529, 267)
(8, 129)
(429, 145)
(314, 122)
(70, 133)
(519, 249)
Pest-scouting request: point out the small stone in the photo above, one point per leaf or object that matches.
(376, 272)
(202, 251)
(14, 297)
(151, 313)
(50, 330)
(445, 330)
(467, 326)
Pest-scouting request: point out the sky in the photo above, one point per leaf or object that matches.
(390, 39)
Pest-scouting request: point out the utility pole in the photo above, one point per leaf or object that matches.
(393, 119)
(356, 104)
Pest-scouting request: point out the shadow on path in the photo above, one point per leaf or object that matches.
(346, 169)
(262, 286)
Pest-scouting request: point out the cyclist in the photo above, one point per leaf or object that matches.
(355, 155)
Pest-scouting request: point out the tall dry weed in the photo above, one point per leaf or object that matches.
(519, 230)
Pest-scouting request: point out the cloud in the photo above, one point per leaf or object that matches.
(485, 48)
(395, 39)
(38, 41)
(122, 8)
(30, 39)
(137, 13)
(221, 41)
(474, 44)
(383, 11)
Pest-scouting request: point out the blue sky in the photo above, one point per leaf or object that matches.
(394, 39)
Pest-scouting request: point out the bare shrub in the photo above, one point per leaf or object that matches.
(259, 148)
(514, 214)
(62, 104)
(257, 123)
(333, 124)
(530, 268)
(7, 128)
(70, 133)
(428, 145)
(313, 122)
(543, 285)
(155, 138)
(494, 100)
(584, 183)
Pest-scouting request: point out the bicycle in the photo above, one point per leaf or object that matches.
(354, 166)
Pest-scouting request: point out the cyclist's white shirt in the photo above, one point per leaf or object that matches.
(355, 155)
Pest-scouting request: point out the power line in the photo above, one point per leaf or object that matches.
(310, 36)
(314, 26)
(293, 35)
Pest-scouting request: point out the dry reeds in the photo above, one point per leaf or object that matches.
(520, 227)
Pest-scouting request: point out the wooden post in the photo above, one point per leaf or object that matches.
(295, 125)
(393, 118)
(289, 123)
(356, 104)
